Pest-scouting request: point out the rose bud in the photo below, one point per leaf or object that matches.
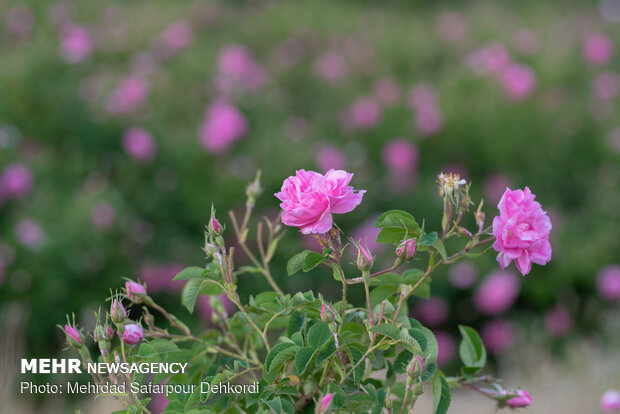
(364, 258)
(133, 334)
(110, 332)
(610, 401)
(523, 399)
(134, 291)
(325, 403)
(215, 228)
(74, 337)
(406, 250)
(118, 312)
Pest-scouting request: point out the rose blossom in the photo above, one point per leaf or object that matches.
(133, 334)
(16, 180)
(237, 69)
(309, 199)
(497, 293)
(224, 124)
(597, 49)
(523, 399)
(608, 283)
(365, 113)
(76, 43)
(610, 401)
(521, 230)
(175, 37)
(518, 81)
(139, 144)
(128, 96)
(498, 336)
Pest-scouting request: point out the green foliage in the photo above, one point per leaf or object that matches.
(395, 226)
(471, 350)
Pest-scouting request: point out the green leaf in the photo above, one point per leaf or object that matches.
(296, 263)
(279, 360)
(395, 226)
(275, 351)
(312, 260)
(295, 322)
(325, 351)
(413, 276)
(210, 288)
(189, 273)
(386, 329)
(441, 394)
(429, 371)
(163, 346)
(381, 293)
(275, 405)
(303, 357)
(318, 334)
(402, 360)
(427, 239)
(190, 293)
(471, 350)
(427, 341)
(336, 272)
(438, 245)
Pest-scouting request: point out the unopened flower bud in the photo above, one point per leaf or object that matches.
(364, 258)
(99, 334)
(133, 334)
(610, 401)
(253, 190)
(73, 336)
(406, 250)
(215, 227)
(117, 311)
(135, 291)
(415, 367)
(480, 216)
(464, 232)
(325, 403)
(523, 399)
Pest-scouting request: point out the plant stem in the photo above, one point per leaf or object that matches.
(355, 280)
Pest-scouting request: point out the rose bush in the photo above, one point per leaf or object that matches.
(306, 353)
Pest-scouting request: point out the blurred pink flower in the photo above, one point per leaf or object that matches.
(432, 312)
(224, 125)
(29, 233)
(518, 81)
(159, 277)
(238, 70)
(597, 49)
(15, 181)
(19, 21)
(76, 43)
(128, 96)
(428, 120)
(309, 199)
(494, 188)
(387, 91)
(498, 336)
(103, 215)
(401, 157)
(521, 231)
(606, 85)
(330, 66)
(491, 58)
(451, 26)
(367, 233)
(205, 310)
(608, 283)
(497, 293)
(158, 403)
(610, 401)
(421, 96)
(177, 36)
(446, 347)
(463, 275)
(139, 144)
(558, 321)
(364, 113)
(329, 157)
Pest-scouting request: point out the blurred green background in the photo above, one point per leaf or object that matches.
(120, 124)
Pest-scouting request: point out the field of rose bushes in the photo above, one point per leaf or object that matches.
(122, 122)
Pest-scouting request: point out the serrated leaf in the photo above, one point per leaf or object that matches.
(296, 263)
(402, 361)
(192, 272)
(427, 239)
(312, 260)
(441, 394)
(318, 334)
(190, 293)
(163, 346)
(395, 226)
(302, 358)
(295, 322)
(325, 351)
(427, 341)
(285, 355)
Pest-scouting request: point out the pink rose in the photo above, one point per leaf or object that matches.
(139, 144)
(518, 81)
(497, 293)
(133, 334)
(134, 290)
(610, 401)
(76, 43)
(523, 399)
(325, 403)
(128, 96)
(224, 125)
(522, 231)
(597, 49)
(16, 180)
(309, 199)
(608, 283)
